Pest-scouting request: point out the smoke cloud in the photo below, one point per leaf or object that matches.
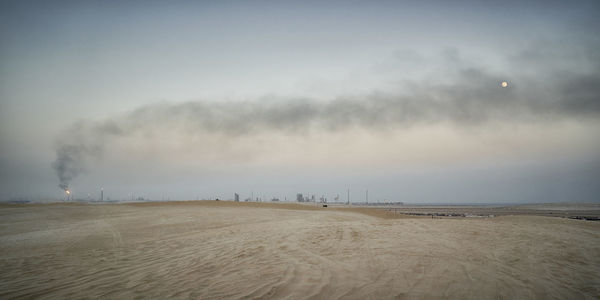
(467, 97)
(79, 143)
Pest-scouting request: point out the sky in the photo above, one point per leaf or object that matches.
(203, 99)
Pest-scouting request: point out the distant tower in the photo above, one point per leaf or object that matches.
(348, 196)
(237, 197)
(101, 194)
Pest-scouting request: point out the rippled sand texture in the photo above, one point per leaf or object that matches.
(228, 251)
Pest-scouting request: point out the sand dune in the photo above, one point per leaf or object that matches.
(225, 250)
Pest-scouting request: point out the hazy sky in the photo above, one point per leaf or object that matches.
(186, 99)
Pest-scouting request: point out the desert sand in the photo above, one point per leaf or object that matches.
(215, 250)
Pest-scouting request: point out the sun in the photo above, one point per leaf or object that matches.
(504, 84)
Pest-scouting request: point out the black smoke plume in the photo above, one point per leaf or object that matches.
(472, 97)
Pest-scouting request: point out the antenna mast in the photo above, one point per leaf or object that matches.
(348, 196)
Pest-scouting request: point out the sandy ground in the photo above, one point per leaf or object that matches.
(223, 250)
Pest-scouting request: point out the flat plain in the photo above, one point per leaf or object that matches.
(216, 250)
